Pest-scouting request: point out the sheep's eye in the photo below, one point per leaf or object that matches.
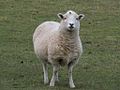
(64, 18)
(77, 18)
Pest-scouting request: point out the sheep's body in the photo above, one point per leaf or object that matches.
(54, 45)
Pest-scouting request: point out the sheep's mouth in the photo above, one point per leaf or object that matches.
(70, 29)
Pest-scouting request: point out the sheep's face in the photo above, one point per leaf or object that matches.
(70, 20)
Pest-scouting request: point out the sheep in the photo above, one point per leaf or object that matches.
(59, 44)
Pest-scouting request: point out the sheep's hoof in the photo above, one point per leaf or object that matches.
(52, 84)
(46, 82)
(72, 86)
(57, 80)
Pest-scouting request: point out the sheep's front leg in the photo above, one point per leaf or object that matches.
(55, 75)
(45, 70)
(70, 68)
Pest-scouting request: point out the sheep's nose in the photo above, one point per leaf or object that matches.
(71, 25)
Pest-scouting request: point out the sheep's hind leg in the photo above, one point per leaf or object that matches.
(70, 68)
(54, 76)
(57, 79)
(45, 70)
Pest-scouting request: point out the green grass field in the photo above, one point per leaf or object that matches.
(99, 66)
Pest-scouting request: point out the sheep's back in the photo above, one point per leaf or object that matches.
(45, 29)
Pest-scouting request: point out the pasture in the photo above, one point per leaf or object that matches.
(99, 66)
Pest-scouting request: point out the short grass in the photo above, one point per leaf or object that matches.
(99, 66)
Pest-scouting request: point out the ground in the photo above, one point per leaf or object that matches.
(99, 66)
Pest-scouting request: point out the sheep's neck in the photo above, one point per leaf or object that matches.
(68, 41)
(67, 35)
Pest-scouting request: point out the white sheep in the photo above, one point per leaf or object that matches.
(59, 44)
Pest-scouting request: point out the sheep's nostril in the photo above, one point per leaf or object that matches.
(71, 25)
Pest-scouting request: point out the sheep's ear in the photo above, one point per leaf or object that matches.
(60, 15)
(81, 16)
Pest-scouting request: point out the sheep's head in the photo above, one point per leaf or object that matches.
(70, 20)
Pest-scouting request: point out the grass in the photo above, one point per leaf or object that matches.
(99, 66)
